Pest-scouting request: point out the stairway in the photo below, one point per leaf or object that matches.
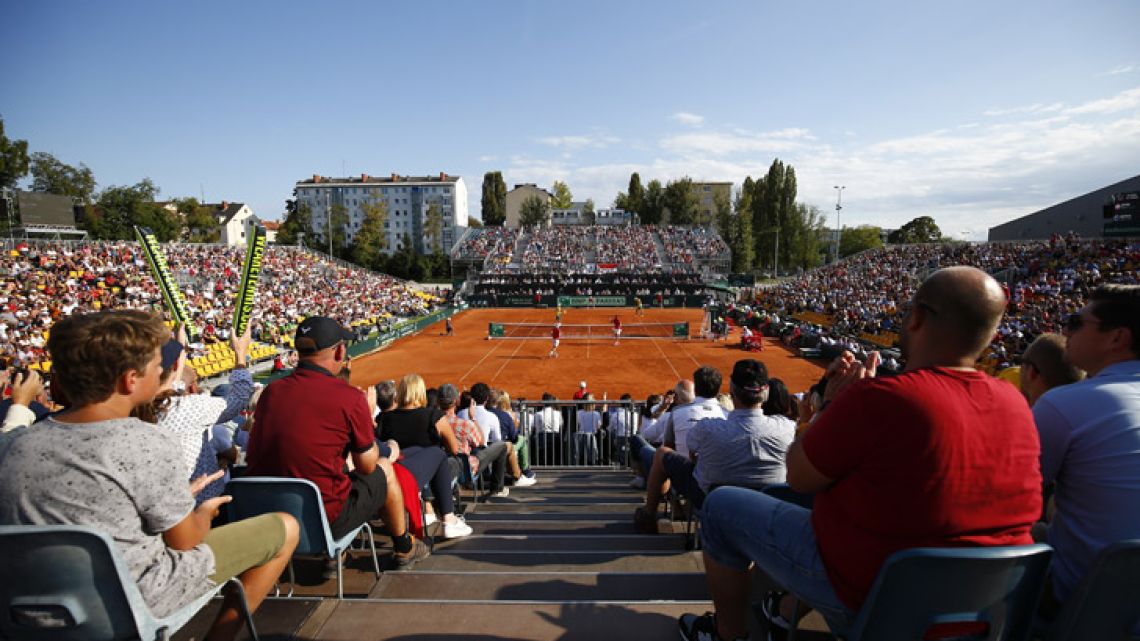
(559, 560)
(659, 247)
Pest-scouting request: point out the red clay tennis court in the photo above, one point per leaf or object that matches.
(521, 367)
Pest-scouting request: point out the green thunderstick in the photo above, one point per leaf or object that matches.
(171, 294)
(251, 271)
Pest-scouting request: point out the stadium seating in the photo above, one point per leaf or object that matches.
(73, 586)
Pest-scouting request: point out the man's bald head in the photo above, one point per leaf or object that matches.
(964, 304)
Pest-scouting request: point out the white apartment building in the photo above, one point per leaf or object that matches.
(407, 197)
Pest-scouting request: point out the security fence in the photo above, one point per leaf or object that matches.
(579, 433)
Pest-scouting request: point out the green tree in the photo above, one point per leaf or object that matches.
(13, 159)
(681, 201)
(920, 230)
(119, 208)
(562, 198)
(51, 176)
(534, 211)
(723, 215)
(494, 200)
(371, 239)
(739, 231)
(474, 222)
(804, 242)
(297, 216)
(635, 199)
(198, 221)
(338, 219)
(653, 206)
(773, 207)
(433, 228)
(861, 238)
(588, 212)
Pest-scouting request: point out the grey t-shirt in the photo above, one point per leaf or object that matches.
(748, 449)
(123, 477)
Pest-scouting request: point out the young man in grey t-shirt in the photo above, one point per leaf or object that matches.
(93, 465)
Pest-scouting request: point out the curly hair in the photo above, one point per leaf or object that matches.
(91, 351)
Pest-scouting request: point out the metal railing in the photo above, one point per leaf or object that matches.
(566, 433)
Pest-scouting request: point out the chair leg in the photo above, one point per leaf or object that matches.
(243, 604)
(372, 543)
(339, 577)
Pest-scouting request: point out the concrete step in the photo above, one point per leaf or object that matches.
(558, 542)
(555, 562)
(524, 498)
(372, 621)
(531, 526)
(529, 587)
(613, 510)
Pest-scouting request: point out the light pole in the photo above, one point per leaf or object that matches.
(328, 211)
(838, 227)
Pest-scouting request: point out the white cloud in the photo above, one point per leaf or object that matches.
(1119, 70)
(1028, 109)
(969, 176)
(686, 118)
(598, 141)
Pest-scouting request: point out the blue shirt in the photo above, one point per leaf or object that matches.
(1090, 445)
(506, 425)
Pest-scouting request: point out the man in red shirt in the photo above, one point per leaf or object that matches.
(940, 456)
(308, 423)
(555, 335)
(617, 330)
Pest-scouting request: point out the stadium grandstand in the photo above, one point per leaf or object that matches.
(521, 496)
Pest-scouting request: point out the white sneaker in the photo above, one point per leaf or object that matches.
(525, 481)
(429, 518)
(457, 529)
(506, 491)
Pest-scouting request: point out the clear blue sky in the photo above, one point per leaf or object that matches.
(973, 112)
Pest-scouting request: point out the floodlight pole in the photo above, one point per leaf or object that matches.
(328, 211)
(838, 226)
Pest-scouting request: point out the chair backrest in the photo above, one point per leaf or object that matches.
(256, 495)
(1106, 605)
(991, 591)
(67, 582)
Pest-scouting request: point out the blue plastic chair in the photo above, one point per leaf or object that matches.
(1106, 605)
(256, 495)
(69, 583)
(466, 478)
(923, 588)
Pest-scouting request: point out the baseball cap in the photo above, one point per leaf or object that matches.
(319, 332)
(749, 375)
(171, 350)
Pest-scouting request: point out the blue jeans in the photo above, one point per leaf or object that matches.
(742, 526)
(642, 453)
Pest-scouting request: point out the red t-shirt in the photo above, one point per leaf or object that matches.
(306, 424)
(555, 333)
(617, 323)
(931, 458)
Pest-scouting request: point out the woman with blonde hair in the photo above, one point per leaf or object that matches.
(518, 451)
(413, 426)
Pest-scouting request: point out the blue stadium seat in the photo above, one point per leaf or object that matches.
(73, 586)
(1106, 605)
(256, 495)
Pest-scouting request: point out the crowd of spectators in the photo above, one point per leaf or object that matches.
(1045, 282)
(683, 245)
(481, 241)
(626, 248)
(41, 282)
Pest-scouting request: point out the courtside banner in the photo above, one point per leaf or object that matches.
(171, 295)
(251, 271)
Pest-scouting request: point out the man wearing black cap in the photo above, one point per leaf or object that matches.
(306, 424)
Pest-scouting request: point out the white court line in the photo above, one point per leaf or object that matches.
(498, 344)
(666, 357)
(686, 353)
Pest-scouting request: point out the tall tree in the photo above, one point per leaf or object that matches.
(804, 244)
(534, 211)
(861, 238)
(653, 207)
(494, 200)
(337, 218)
(562, 198)
(296, 222)
(13, 159)
(198, 222)
(371, 239)
(681, 201)
(588, 212)
(118, 209)
(51, 176)
(474, 222)
(920, 230)
(739, 231)
(433, 228)
(635, 198)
